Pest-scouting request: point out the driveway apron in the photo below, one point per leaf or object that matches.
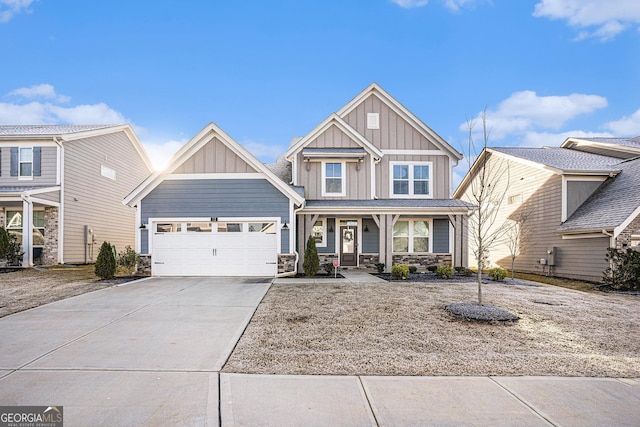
(145, 353)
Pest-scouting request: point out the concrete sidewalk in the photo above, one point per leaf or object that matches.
(276, 400)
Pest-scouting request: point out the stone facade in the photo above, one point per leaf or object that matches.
(50, 249)
(286, 263)
(369, 261)
(424, 261)
(624, 239)
(144, 266)
(3, 216)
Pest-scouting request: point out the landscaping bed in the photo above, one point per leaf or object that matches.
(403, 329)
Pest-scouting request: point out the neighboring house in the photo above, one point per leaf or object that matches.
(371, 183)
(61, 189)
(571, 203)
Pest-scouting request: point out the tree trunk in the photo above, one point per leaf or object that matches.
(480, 282)
(513, 262)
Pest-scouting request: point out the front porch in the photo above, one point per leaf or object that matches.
(360, 235)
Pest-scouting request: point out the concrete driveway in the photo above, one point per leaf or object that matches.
(145, 353)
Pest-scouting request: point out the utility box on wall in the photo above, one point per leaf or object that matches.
(551, 255)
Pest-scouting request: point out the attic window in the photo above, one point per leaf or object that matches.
(373, 121)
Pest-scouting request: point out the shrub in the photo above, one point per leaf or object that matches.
(498, 274)
(413, 269)
(128, 259)
(624, 272)
(106, 262)
(10, 248)
(329, 268)
(399, 271)
(444, 272)
(459, 269)
(311, 263)
(432, 268)
(380, 267)
(467, 272)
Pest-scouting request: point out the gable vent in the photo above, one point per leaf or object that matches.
(373, 121)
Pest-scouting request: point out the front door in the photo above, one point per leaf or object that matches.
(349, 246)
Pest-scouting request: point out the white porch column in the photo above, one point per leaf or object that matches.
(27, 225)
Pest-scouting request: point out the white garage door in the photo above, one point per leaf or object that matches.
(214, 249)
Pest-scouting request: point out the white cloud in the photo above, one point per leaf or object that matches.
(408, 4)
(626, 126)
(9, 8)
(265, 152)
(609, 17)
(526, 111)
(44, 91)
(37, 112)
(456, 5)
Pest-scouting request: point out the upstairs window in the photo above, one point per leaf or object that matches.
(411, 179)
(26, 162)
(333, 180)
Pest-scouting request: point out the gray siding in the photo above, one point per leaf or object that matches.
(542, 207)
(94, 200)
(441, 236)
(215, 198)
(371, 238)
(214, 157)
(578, 192)
(440, 174)
(331, 238)
(394, 133)
(52, 196)
(48, 175)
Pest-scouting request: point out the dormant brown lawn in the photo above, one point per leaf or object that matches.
(403, 329)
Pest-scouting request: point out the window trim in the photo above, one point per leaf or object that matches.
(20, 162)
(411, 235)
(343, 178)
(411, 195)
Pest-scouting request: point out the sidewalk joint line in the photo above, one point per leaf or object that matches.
(524, 402)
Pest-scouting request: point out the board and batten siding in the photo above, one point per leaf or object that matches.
(536, 196)
(48, 166)
(394, 132)
(94, 200)
(440, 236)
(214, 157)
(243, 198)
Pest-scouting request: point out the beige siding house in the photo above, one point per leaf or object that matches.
(377, 186)
(61, 189)
(570, 204)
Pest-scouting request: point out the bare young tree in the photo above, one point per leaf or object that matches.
(513, 238)
(487, 191)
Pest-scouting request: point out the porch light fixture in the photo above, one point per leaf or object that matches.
(366, 228)
(143, 226)
(331, 229)
(285, 226)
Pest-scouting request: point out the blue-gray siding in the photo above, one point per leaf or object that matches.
(441, 236)
(331, 238)
(371, 238)
(215, 198)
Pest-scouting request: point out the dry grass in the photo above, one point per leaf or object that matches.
(403, 329)
(557, 281)
(24, 289)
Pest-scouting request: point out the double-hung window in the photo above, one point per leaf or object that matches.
(410, 236)
(26, 163)
(412, 179)
(333, 179)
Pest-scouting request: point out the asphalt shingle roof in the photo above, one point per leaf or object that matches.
(564, 158)
(390, 203)
(611, 204)
(40, 130)
(626, 142)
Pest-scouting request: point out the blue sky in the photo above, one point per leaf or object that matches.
(266, 71)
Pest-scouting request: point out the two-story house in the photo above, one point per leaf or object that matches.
(371, 183)
(377, 186)
(61, 189)
(568, 204)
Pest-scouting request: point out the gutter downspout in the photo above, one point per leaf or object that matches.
(612, 239)
(61, 208)
(295, 265)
